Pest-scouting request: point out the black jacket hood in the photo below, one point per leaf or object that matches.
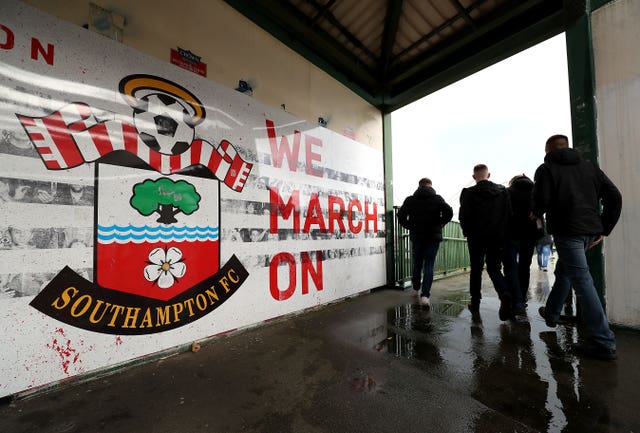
(486, 188)
(575, 195)
(485, 209)
(521, 227)
(426, 191)
(424, 214)
(522, 184)
(565, 156)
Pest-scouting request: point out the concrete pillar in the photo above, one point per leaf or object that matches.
(615, 40)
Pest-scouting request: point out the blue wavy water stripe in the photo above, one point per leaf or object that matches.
(144, 233)
(151, 237)
(145, 228)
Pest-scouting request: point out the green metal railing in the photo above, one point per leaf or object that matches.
(452, 258)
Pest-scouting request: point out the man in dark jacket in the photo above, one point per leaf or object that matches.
(484, 217)
(521, 238)
(570, 191)
(424, 214)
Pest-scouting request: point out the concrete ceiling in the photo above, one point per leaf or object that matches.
(393, 52)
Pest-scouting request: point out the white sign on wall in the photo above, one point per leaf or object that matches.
(139, 198)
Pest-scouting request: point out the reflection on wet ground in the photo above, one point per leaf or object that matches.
(373, 363)
(520, 368)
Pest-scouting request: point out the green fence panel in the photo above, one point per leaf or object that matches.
(453, 255)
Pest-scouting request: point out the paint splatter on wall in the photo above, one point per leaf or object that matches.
(62, 346)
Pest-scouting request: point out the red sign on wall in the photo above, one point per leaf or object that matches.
(189, 61)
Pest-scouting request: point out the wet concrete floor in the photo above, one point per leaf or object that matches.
(374, 363)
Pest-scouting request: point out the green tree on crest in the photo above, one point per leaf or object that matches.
(165, 197)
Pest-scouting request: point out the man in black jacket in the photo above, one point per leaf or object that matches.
(570, 191)
(521, 238)
(424, 214)
(484, 217)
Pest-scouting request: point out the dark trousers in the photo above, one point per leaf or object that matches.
(481, 252)
(525, 257)
(517, 256)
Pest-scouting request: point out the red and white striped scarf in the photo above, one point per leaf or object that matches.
(73, 136)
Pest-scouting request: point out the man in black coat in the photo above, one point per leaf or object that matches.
(571, 192)
(485, 210)
(424, 214)
(522, 235)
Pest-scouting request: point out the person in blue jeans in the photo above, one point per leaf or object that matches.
(582, 206)
(543, 248)
(424, 214)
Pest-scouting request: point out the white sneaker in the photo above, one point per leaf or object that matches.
(424, 301)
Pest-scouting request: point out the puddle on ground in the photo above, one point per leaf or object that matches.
(522, 369)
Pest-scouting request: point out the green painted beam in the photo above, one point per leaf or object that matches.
(597, 4)
(389, 217)
(583, 116)
(391, 22)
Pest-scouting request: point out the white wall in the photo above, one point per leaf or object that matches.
(234, 48)
(77, 293)
(616, 38)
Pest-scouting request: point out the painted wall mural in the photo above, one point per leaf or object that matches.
(143, 257)
(145, 207)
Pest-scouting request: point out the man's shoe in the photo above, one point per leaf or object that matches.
(550, 323)
(506, 309)
(568, 310)
(567, 320)
(424, 301)
(474, 306)
(594, 351)
(520, 310)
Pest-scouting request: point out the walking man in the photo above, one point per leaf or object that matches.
(484, 217)
(521, 239)
(570, 191)
(424, 214)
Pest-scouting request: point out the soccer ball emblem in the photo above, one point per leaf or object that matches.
(162, 123)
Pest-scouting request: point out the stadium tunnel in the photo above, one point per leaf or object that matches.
(291, 78)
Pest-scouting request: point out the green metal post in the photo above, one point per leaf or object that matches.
(388, 198)
(583, 114)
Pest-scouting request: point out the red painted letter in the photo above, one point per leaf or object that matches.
(373, 216)
(8, 44)
(290, 261)
(36, 47)
(307, 270)
(312, 156)
(355, 228)
(336, 216)
(314, 215)
(277, 205)
(277, 153)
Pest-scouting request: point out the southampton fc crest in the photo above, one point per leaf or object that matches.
(157, 245)
(157, 236)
